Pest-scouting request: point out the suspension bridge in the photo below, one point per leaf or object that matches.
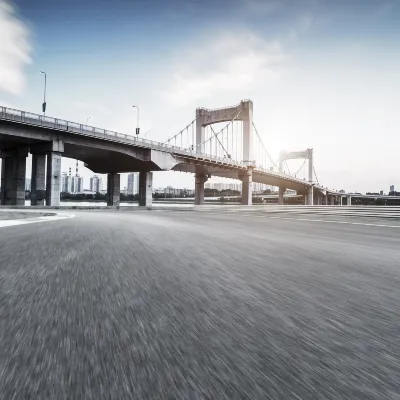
(238, 143)
(220, 142)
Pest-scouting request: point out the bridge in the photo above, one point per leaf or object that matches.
(235, 151)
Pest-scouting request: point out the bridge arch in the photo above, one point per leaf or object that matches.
(241, 112)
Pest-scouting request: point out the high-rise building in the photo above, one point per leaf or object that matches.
(72, 184)
(391, 188)
(96, 184)
(133, 183)
(66, 182)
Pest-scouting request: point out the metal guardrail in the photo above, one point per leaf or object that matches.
(23, 117)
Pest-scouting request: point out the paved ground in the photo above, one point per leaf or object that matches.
(186, 305)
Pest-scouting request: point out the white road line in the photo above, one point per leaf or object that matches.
(315, 220)
(14, 222)
(336, 222)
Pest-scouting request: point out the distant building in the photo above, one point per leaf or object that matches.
(66, 182)
(77, 184)
(225, 186)
(133, 183)
(381, 192)
(391, 188)
(96, 184)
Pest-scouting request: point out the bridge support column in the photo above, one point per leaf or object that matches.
(13, 171)
(113, 189)
(247, 188)
(280, 197)
(200, 180)
(341, 200)
(145, 189)
(53, 179)
(310, 196)
(349, 200)
(38, 181)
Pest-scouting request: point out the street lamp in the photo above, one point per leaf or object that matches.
(137, 120)
(44, 96)
(87, 120)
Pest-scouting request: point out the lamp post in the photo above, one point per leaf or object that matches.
(44, 96)
(87, 120)
(137, 120)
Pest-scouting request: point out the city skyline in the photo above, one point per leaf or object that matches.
(316, 75)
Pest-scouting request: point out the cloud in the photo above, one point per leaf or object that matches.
(14, 50)
(230, 61)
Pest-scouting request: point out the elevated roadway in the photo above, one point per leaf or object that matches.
(105, 151)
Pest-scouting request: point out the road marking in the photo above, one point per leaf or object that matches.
(14, 222)
(264, 214)
(337, 222)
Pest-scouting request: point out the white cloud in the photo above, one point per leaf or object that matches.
(14, 49)
(230, 61)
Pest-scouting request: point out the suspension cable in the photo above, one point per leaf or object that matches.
(316, 177)
(180, 132)
(216, 134)
(262, 144)
(219, 140)
(302, 165)
(287, 166)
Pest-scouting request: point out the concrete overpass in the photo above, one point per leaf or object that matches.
(112, 153)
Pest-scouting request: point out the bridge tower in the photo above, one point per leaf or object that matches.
(306, 154)
(242, 112)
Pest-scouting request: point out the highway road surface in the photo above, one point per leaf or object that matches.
(200, 305)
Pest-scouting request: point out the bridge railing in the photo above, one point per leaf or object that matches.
(24, 117)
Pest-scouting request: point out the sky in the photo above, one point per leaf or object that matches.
(321, 74)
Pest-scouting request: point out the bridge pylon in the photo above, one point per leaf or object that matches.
(308, 155)
(241, 112)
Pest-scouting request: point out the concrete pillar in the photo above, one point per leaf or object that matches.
(200, 180)
(2, 179)
(53, 179)
(305, 199)
(247, 188)
(200, 135)
(310, 196)
(38, 181)
(247, 118)
(13, 171)
(145, 189)
(349, 200)
(341, 200)
(310, 165)
(113, 189)
(281, 199)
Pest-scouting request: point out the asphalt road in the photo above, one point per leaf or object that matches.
(188, 305)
